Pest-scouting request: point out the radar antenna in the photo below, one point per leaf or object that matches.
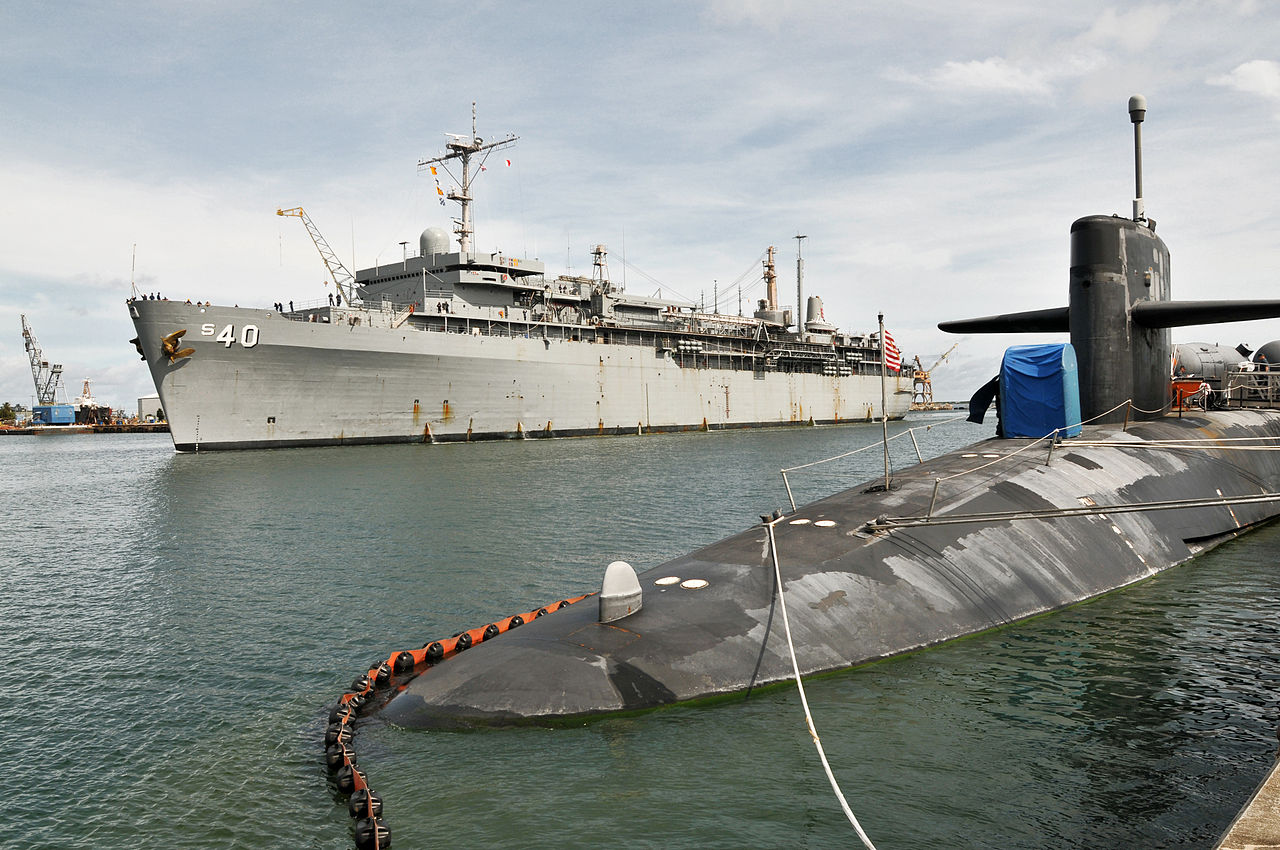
(48, 377)
(463, 149)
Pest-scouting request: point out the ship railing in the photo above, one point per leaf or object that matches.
(303, 306)
(1259, 387)
(721, 319)
(792, 353)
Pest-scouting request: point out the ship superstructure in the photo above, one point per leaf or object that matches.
(467, 345)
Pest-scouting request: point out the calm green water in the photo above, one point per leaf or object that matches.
(175, 627)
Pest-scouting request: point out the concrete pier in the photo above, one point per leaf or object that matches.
(1257, 827)
(101, 428)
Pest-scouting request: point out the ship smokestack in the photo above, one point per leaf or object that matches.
(1138, 112)
(771, 283)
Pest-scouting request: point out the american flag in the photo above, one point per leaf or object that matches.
(892, 356)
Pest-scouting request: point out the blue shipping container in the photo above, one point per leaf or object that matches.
(53, 414)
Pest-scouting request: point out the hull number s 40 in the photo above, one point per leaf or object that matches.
(227, 336)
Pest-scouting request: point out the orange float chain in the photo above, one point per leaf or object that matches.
(371, 833)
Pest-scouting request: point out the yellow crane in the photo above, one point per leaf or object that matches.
(922, 383)
(343, 279)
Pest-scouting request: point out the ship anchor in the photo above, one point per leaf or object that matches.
(170, 343)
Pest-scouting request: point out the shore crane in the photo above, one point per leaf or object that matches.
(922, 383)
(343, 279)
(47, 376)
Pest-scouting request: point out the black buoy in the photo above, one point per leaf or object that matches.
(435, 651)
(346, 778)
(372, 834)
(342, 713)
(404, 662)
(383, 675)
(491, 631)
(517, 620)
(464, 641)
(337, 755)
(360, 685)
(365, 803)
(338, 733)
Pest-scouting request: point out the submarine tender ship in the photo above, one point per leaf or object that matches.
(1015, 526)
(465, 345)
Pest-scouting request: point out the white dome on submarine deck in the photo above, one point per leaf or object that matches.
(434, 240)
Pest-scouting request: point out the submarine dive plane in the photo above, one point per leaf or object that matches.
(1097, 483)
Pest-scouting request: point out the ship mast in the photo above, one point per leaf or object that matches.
(463, 149)
(771, 282)
(800, 318)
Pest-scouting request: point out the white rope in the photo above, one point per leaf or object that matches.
(1167, 407)
(808, 718)
(1052, 434)
(872, 445)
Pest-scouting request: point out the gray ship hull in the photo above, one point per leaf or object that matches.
(258, 378)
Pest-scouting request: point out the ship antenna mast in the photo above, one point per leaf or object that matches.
(800, 287)
(464, 150)
(1138, 112)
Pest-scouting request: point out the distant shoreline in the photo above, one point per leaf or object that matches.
(136, 428)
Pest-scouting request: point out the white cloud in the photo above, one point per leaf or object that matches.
(1134, 30)
(1259, 76)
(993, 75)
(694, 138)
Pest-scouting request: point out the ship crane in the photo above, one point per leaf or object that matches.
(922, 383)
(343, 279)
(462, 148)
(48, 377)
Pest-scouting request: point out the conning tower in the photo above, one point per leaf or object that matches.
(1119, 310)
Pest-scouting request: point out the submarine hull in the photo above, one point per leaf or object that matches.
(860, 585)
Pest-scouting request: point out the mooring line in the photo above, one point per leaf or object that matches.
(795, 666)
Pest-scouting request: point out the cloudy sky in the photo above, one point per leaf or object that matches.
(934, 153)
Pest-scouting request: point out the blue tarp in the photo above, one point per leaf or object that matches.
(1039, 391)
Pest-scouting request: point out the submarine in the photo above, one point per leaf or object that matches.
(1097, 482)
(1120, 486)
(1101, 475)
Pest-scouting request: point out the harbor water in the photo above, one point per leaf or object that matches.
(176, 627)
